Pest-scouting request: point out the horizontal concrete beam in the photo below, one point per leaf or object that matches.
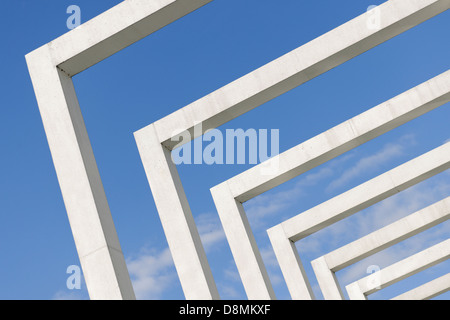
(406, 175)
(428, 290)
(399, 270)
(342, 138)
(326, 266)
(114, 30)
(368, 193)
(387, 236)
(296, 67)
(229, 195)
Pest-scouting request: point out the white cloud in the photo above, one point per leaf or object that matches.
(372, 162)
(152, 273)
(264, 206)
(390, 210)
(210, 230)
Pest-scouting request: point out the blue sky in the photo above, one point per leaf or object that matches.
(173, 67)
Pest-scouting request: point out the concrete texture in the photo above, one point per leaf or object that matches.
(51, 68)
(359, 290)
(176, 217)
(326, 266)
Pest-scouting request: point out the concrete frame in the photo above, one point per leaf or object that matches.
(428, 290)
(229, 195)
(51, 68)
(156, 141)
(53, 65)
(284, 235)
(327, 265)
(427, 258)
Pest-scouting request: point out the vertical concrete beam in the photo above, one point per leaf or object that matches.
(176, 217)
(327, 280)
(313, 152)
(251, 268)
(355, 292)
(116, 29)
(287, 256)
(92, 226)
(51, 68)
(286, 73)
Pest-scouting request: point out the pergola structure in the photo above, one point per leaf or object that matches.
(53, 65)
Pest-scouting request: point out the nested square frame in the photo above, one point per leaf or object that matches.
(53, 65)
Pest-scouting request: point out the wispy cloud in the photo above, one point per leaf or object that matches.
(152, 273)
(261, 208)
(372, 162)
(390, 210)
(210, 230)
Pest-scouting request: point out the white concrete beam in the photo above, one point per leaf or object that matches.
(179, 226)
(90, 219)
(355, 291)
(51, 68)
(327, 280)
(296, 67)
(368, 193)
(114, 30)
(389, 235)
(401, 270)
(428, 290)
(280, 76)
(343, 137)
(354, 200)
(287, 255)
(326, 266)
(237, 229)
(317, 150)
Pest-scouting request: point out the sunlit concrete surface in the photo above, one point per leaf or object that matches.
(229, 195)
(359, 290)
(428, 290)
(252, 90)
(51, 68)
(326, 266)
